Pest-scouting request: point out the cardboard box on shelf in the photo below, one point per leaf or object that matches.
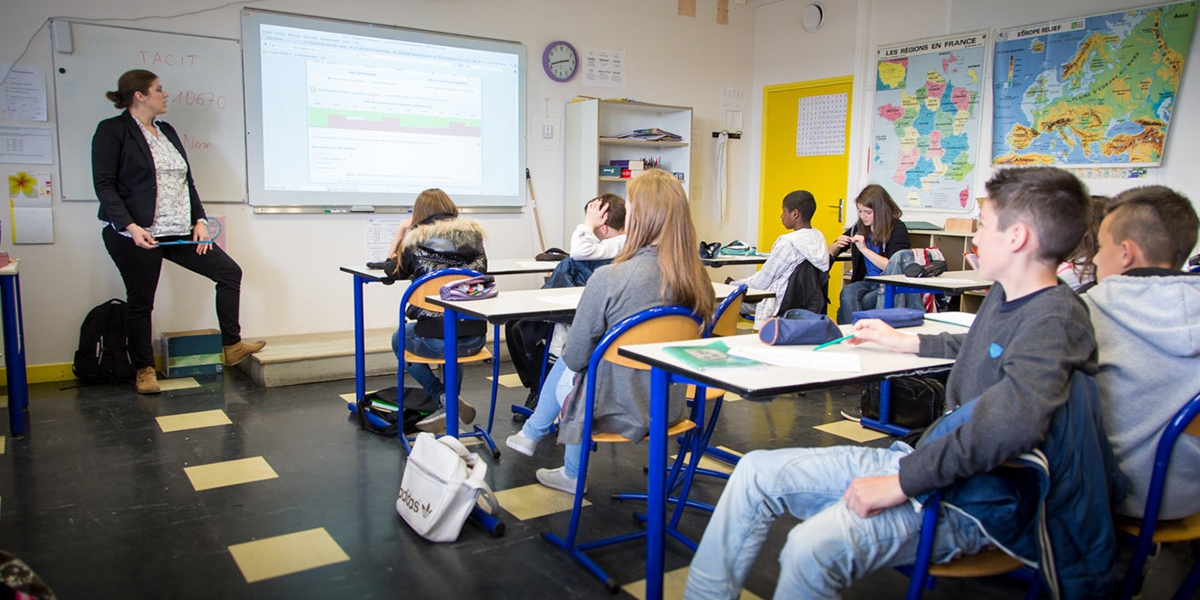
(959, 225)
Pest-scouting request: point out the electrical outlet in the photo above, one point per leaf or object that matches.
(547, 132)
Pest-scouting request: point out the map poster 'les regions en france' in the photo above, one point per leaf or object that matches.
(1092, 91)
(925, 130)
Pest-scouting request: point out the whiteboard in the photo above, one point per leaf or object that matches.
(203, 77)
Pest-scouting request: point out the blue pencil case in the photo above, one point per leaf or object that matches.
(896, 317)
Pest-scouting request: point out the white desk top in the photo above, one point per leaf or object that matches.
(722, 260)
(951, 282)
(772, 380)
(510, 305)
(12, 268)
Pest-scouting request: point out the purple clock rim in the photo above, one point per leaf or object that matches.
(546, 59)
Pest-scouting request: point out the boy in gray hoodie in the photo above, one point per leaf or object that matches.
(1146, 313)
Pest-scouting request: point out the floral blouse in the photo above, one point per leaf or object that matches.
(173, 210)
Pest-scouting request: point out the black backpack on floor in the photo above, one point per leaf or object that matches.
(916, 401)
(103, 355)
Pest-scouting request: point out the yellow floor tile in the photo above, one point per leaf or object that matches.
(3, 444)
(230, 472)
(732, 397)
(182, 383)
(731, 451)
(3, 401)
(851, 431)
(533, 501)
(711, 464)
(195, 420)
(673, 584)
(512, 380)
(287, 554)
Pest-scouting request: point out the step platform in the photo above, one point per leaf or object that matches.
(316, 357)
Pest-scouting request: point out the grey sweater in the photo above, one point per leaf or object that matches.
(1017, 359)
(615, 292)
(1148, 328)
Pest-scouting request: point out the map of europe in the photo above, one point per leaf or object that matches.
(926, 123)
(1095, 91)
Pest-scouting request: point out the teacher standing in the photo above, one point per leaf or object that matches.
(147, 198)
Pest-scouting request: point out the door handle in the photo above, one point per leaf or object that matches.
(839, 206)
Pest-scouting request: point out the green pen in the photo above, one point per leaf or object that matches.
(834, 342)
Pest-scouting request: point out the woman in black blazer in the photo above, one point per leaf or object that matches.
(872, 241)
(148, 199)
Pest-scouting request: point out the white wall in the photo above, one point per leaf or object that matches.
(292, 283)
(845, 45)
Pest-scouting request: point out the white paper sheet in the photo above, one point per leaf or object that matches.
(563, 299)
(23, 95)
(25, 145)
(806, 358)
(953, 317)
(536, 264)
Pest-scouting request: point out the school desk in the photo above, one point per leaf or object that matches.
(14, 348)
(950, 282)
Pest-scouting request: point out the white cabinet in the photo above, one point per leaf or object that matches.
(590, 137)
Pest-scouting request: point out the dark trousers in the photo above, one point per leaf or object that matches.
(140, 269)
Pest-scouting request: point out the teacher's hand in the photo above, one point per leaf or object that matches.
(200, 234)
(141, 237)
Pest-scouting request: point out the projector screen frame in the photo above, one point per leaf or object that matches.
(265, 201)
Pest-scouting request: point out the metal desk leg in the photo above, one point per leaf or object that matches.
(14, 353)
(885, 413)
(889, 295)
(360, 346)
(451, 371)
(656, 513)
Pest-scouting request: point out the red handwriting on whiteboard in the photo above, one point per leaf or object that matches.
(211, 99)
(151, 57)
(191, 143)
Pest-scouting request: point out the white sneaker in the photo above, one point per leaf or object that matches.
(555, 479)
(521, 443)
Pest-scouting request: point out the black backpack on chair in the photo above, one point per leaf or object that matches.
(103, 355)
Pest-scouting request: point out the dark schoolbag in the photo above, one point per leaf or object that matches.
(103, 355)
(915, 401)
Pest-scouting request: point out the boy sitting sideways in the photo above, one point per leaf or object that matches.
(1013, 368)
(1146, 313)
(601, 236)
(789, 250)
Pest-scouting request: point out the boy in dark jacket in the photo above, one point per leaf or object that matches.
(1031, 335)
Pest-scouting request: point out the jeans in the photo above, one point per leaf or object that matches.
(432, 348)
(558, 384)
(861, 295)
(833, 546)
(140, 269)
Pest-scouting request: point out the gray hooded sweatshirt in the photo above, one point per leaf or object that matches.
(1147, 324)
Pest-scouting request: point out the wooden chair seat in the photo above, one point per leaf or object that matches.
(1176, 530)
(712, 394)
(482, 355)
(677, 429)
(984, 564)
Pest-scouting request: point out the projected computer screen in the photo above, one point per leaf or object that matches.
(342, 114)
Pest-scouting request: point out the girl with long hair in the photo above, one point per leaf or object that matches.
(873, 239)
(659, 266)
(434, 238)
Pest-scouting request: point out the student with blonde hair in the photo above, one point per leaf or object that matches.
(658, 266)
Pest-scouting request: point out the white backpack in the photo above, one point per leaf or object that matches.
(442, 482)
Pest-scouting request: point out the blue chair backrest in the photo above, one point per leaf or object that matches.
(419, 281)
(1162, 461)
(735, 298)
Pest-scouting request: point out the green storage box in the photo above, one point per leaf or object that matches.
(188, 353)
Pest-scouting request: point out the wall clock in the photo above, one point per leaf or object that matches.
(560, 60)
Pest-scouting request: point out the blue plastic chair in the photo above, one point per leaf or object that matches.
(1147, 533)
(427, 285)
(658, 324)
(696, 442)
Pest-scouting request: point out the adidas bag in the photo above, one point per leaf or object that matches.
(103, 356)
(442, 483)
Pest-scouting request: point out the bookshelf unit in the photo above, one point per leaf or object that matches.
(589, 138)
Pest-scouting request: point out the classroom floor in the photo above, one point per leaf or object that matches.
(114, 495)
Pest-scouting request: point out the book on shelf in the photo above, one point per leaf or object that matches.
(712, 356)
(652, 134)
(633, 163)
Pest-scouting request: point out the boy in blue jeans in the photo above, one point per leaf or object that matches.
(1031, 334)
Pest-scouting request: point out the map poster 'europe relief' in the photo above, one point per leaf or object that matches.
(928, 95)
(1094, 91)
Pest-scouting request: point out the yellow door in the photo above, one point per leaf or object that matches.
(783, 171)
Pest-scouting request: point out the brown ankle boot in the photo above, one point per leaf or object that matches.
(236, 353)
(147, 381)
